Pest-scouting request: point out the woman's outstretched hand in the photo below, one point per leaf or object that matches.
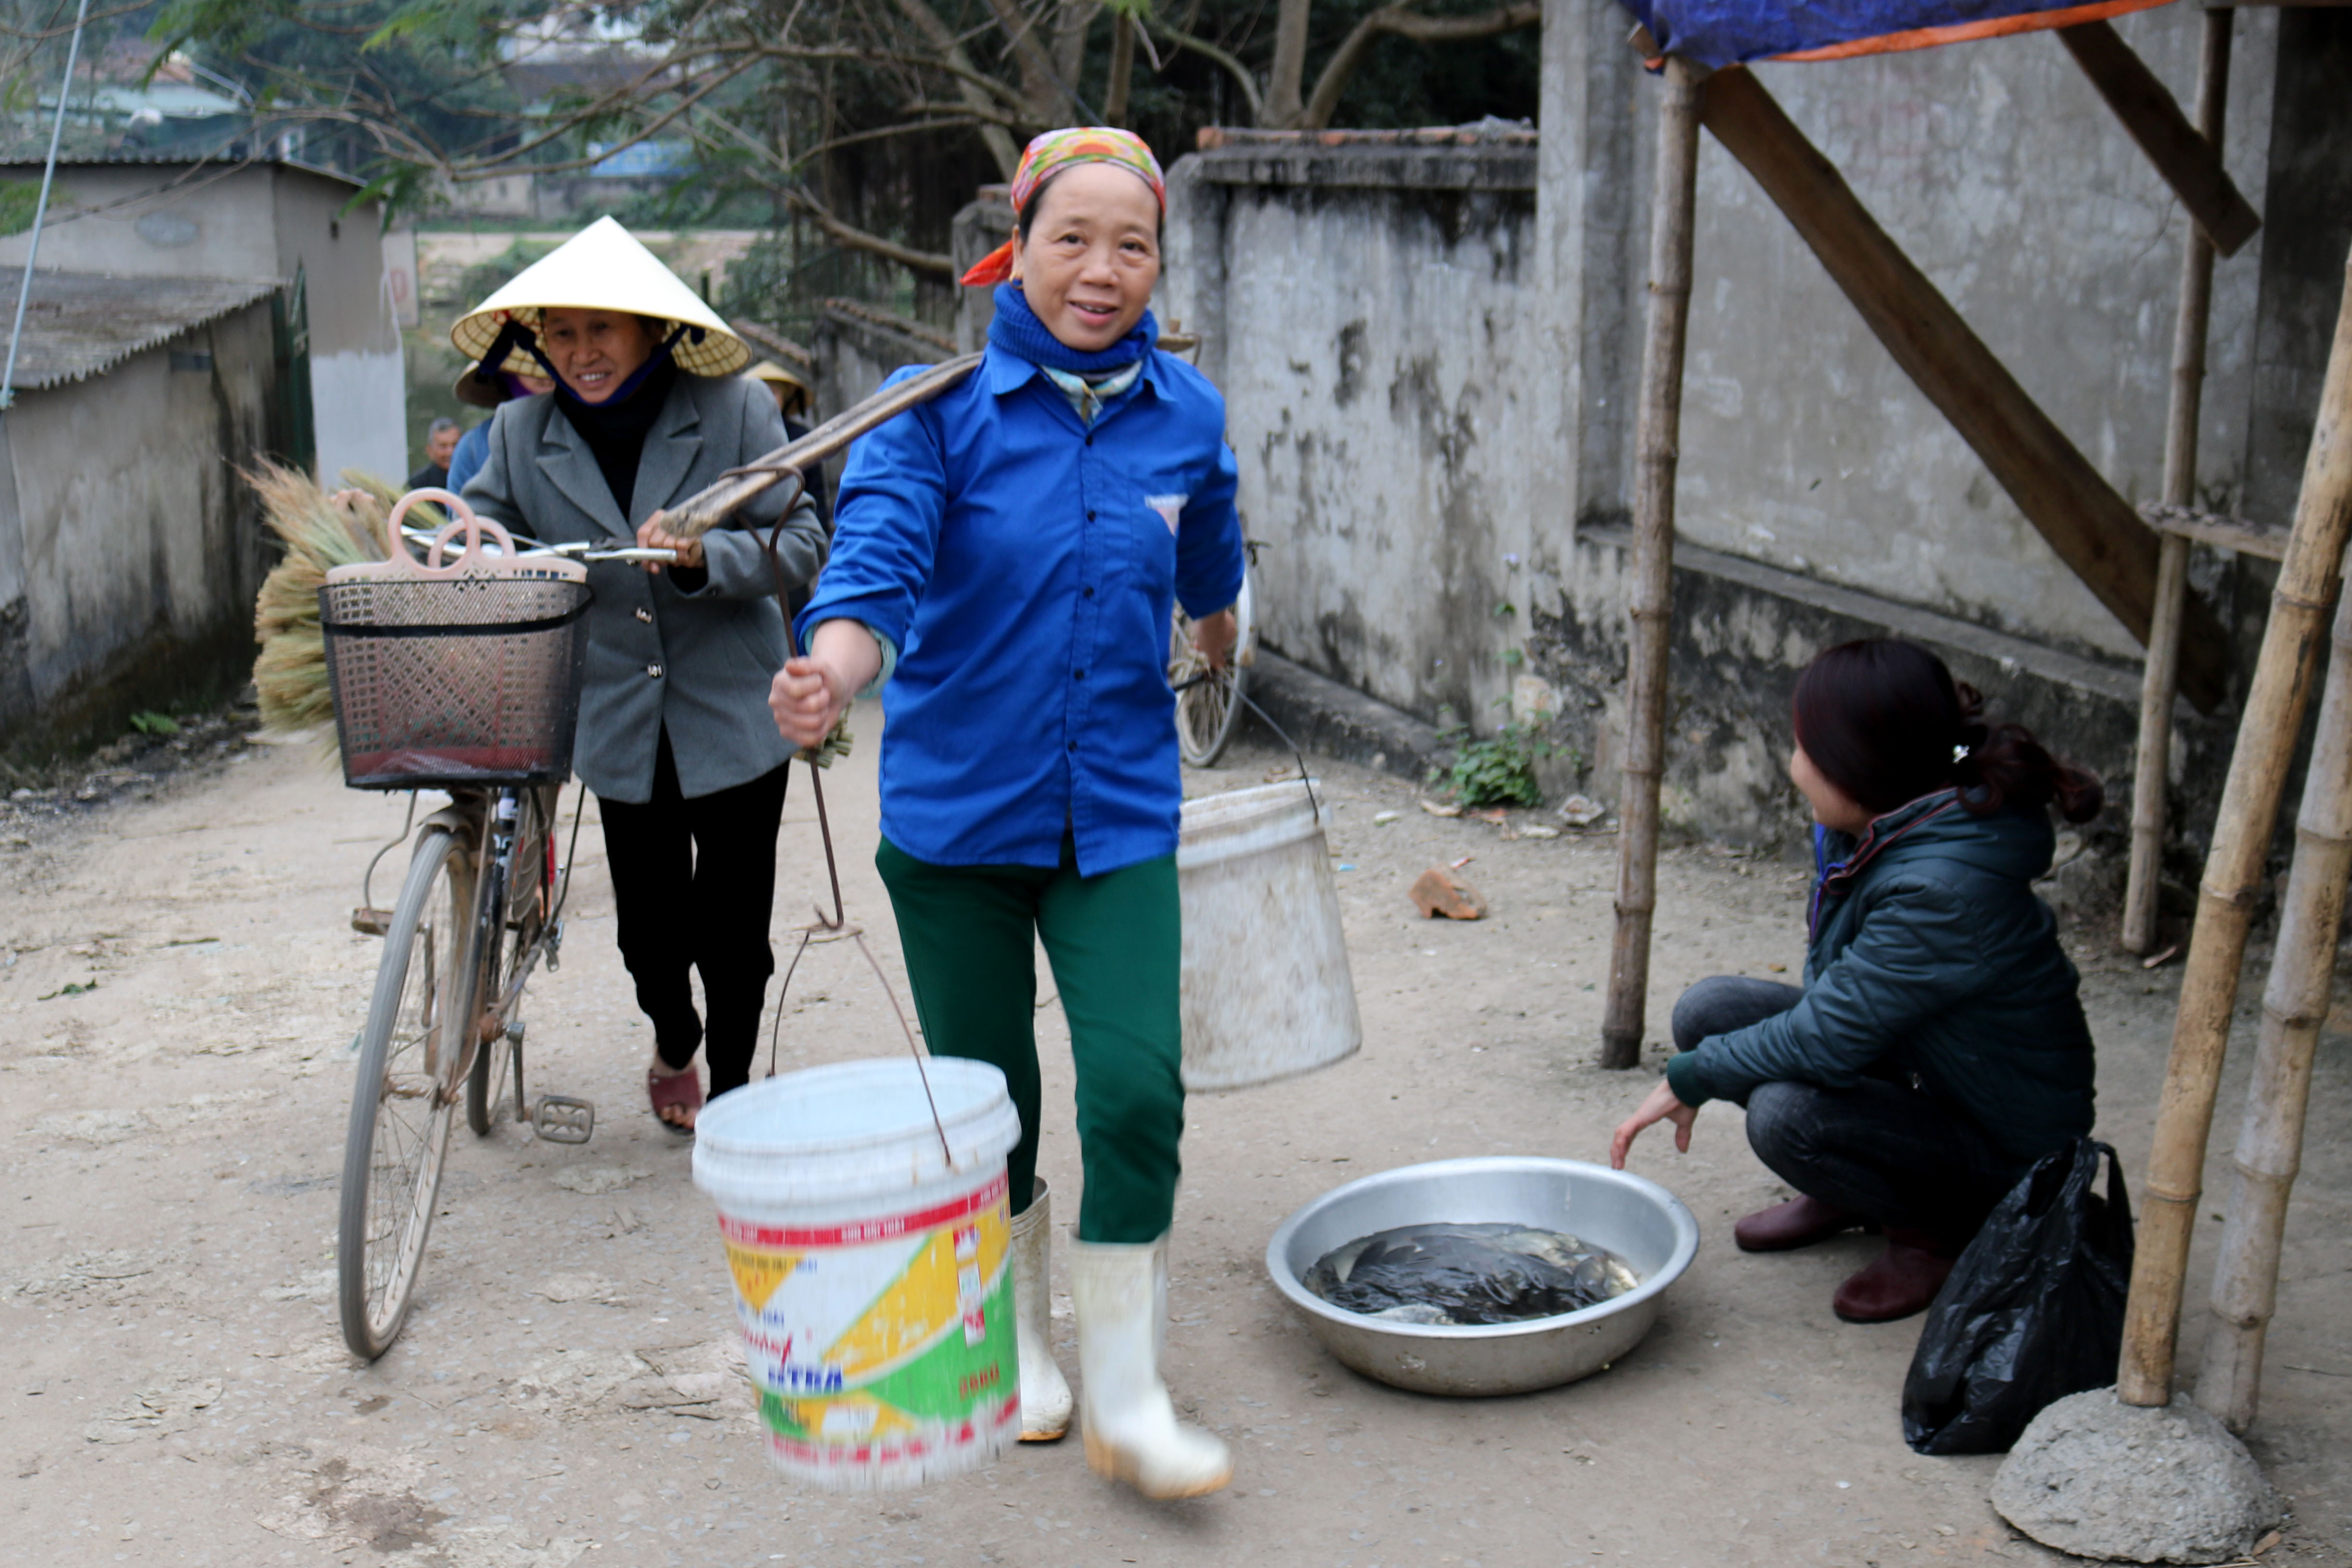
(1661, 1106)
(654, 534)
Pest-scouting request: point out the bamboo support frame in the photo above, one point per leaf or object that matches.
(2300, 606)
(2160, 676)
(1650, 593)
(2088, 525)
(2188, 157)
(2294, 1005)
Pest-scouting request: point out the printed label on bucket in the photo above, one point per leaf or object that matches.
(882, 1342)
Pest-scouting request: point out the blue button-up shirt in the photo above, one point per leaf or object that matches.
(1024, 563)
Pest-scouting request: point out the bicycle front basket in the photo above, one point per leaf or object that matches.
(465, 675)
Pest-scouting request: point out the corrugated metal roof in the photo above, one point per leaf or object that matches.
(168, 159)
(78, 325)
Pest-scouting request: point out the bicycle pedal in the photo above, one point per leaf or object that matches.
(370, 922)
(561, 1119)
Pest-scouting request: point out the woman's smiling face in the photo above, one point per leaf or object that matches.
(1092, 255)
(594, 351)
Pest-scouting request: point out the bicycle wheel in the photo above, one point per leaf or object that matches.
(403, 1097)
(525, 884)
(1208, 714)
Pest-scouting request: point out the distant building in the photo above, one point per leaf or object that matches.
(187, 317)
(184, 219)
(129, 549)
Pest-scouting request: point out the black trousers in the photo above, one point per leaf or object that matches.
(694, 884)
(1880, 1148)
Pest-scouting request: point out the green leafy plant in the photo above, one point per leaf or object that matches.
(1499, 770)
(148, 723)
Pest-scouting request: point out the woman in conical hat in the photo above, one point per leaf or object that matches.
(1005, 560)
(647, 408)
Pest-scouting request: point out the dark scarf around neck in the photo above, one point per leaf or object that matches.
(616, 428)
(1017, 330)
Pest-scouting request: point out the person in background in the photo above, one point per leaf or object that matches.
(687, 767)
(440, 445)
(486, 389)
(796, 401)
(1938, 1047)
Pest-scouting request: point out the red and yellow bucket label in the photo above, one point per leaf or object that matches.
(882, 1349)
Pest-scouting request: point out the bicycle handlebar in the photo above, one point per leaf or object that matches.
(579, 550)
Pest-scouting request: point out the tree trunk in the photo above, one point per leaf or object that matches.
(1122, 70)
(1287, 81)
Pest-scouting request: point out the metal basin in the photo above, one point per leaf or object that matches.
(1639, 1220)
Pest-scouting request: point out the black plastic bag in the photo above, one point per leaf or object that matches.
(2033, 1312)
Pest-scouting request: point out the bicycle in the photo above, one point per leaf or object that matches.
(1209, 702)
(482, 902)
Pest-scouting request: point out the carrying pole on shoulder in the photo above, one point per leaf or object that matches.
(700, 512)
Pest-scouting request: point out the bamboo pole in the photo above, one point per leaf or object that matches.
(2160, 676)
(1650, 596)
(2090, 527)
(2295, 1005)
(701, 512)
(2308, 584)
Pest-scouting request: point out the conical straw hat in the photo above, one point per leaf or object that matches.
(775, 374)
(603, 268)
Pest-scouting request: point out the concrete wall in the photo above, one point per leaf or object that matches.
(129, 582)
(131, 220)
(1432, 374)
(2009, 183)
(358, 391)
(1370, 315)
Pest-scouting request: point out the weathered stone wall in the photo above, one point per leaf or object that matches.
(1371, 318)
(1431, 370)
(128, 583)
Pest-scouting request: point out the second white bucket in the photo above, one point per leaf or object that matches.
(1266, 991)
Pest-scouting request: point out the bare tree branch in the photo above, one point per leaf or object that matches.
(1402, 20)
(1212, 53)
(968, 79)
(859, 240)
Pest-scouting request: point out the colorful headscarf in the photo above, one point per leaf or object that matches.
(1048, 156)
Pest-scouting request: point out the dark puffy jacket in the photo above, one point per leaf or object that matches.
(1931, 956)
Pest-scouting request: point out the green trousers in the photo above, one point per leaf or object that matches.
(1115, 941)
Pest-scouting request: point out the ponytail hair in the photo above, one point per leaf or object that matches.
(1885, 722)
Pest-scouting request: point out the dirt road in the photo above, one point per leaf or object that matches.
(178, 986)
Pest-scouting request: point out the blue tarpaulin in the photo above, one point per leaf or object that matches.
(1718, 32)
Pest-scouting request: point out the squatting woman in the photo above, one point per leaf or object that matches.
(1938, 1047)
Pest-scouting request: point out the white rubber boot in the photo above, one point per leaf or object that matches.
(1045, 1393)
(1130, 1427)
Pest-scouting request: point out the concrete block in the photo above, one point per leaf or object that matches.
(2098, 1477)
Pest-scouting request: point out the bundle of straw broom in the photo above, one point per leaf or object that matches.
(320, 532)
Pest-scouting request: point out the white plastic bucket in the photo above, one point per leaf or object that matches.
(873, 1272)
(1266, 994)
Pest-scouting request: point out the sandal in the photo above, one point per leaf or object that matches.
(682, 1090)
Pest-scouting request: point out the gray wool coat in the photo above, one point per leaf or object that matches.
(698, 664)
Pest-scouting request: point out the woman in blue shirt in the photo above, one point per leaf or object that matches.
(1005, 558)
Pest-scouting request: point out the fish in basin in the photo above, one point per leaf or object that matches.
(1466, 1274)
